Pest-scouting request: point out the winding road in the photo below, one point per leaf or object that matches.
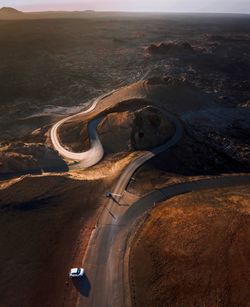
(95, 153)
(106, 263)
(103, 262)
(106, 283)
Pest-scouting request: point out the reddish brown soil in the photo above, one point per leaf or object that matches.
(44, 228)
(195, 250)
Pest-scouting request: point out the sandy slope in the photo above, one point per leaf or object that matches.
(195, 251)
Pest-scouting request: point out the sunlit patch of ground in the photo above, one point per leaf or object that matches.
(195, 250)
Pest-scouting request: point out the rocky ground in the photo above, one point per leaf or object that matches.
(196, 67)
(171, 48)
(64, 63)
(78, 60)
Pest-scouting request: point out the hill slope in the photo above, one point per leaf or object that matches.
(9, 12)
(195, 251)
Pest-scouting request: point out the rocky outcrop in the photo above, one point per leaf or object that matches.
(150, 128)
(143, 129)
(170, 48)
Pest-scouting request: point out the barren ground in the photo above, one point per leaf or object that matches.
(45, 224)
(195, 250)
(52, 68)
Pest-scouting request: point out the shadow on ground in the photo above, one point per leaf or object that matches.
(82, 285)
(38, 171)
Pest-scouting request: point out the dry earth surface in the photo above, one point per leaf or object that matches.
(45, 224)
(53, 66)
(195, 250)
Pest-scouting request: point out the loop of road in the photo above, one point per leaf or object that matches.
(95, 153)
(105, 262)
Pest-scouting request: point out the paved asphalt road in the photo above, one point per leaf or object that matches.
(95, 153)
(106, 280)
(103, 284)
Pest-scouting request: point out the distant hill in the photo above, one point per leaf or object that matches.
(9, 12)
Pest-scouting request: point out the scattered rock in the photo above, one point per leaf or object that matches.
(170, 48)
(246, 104)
